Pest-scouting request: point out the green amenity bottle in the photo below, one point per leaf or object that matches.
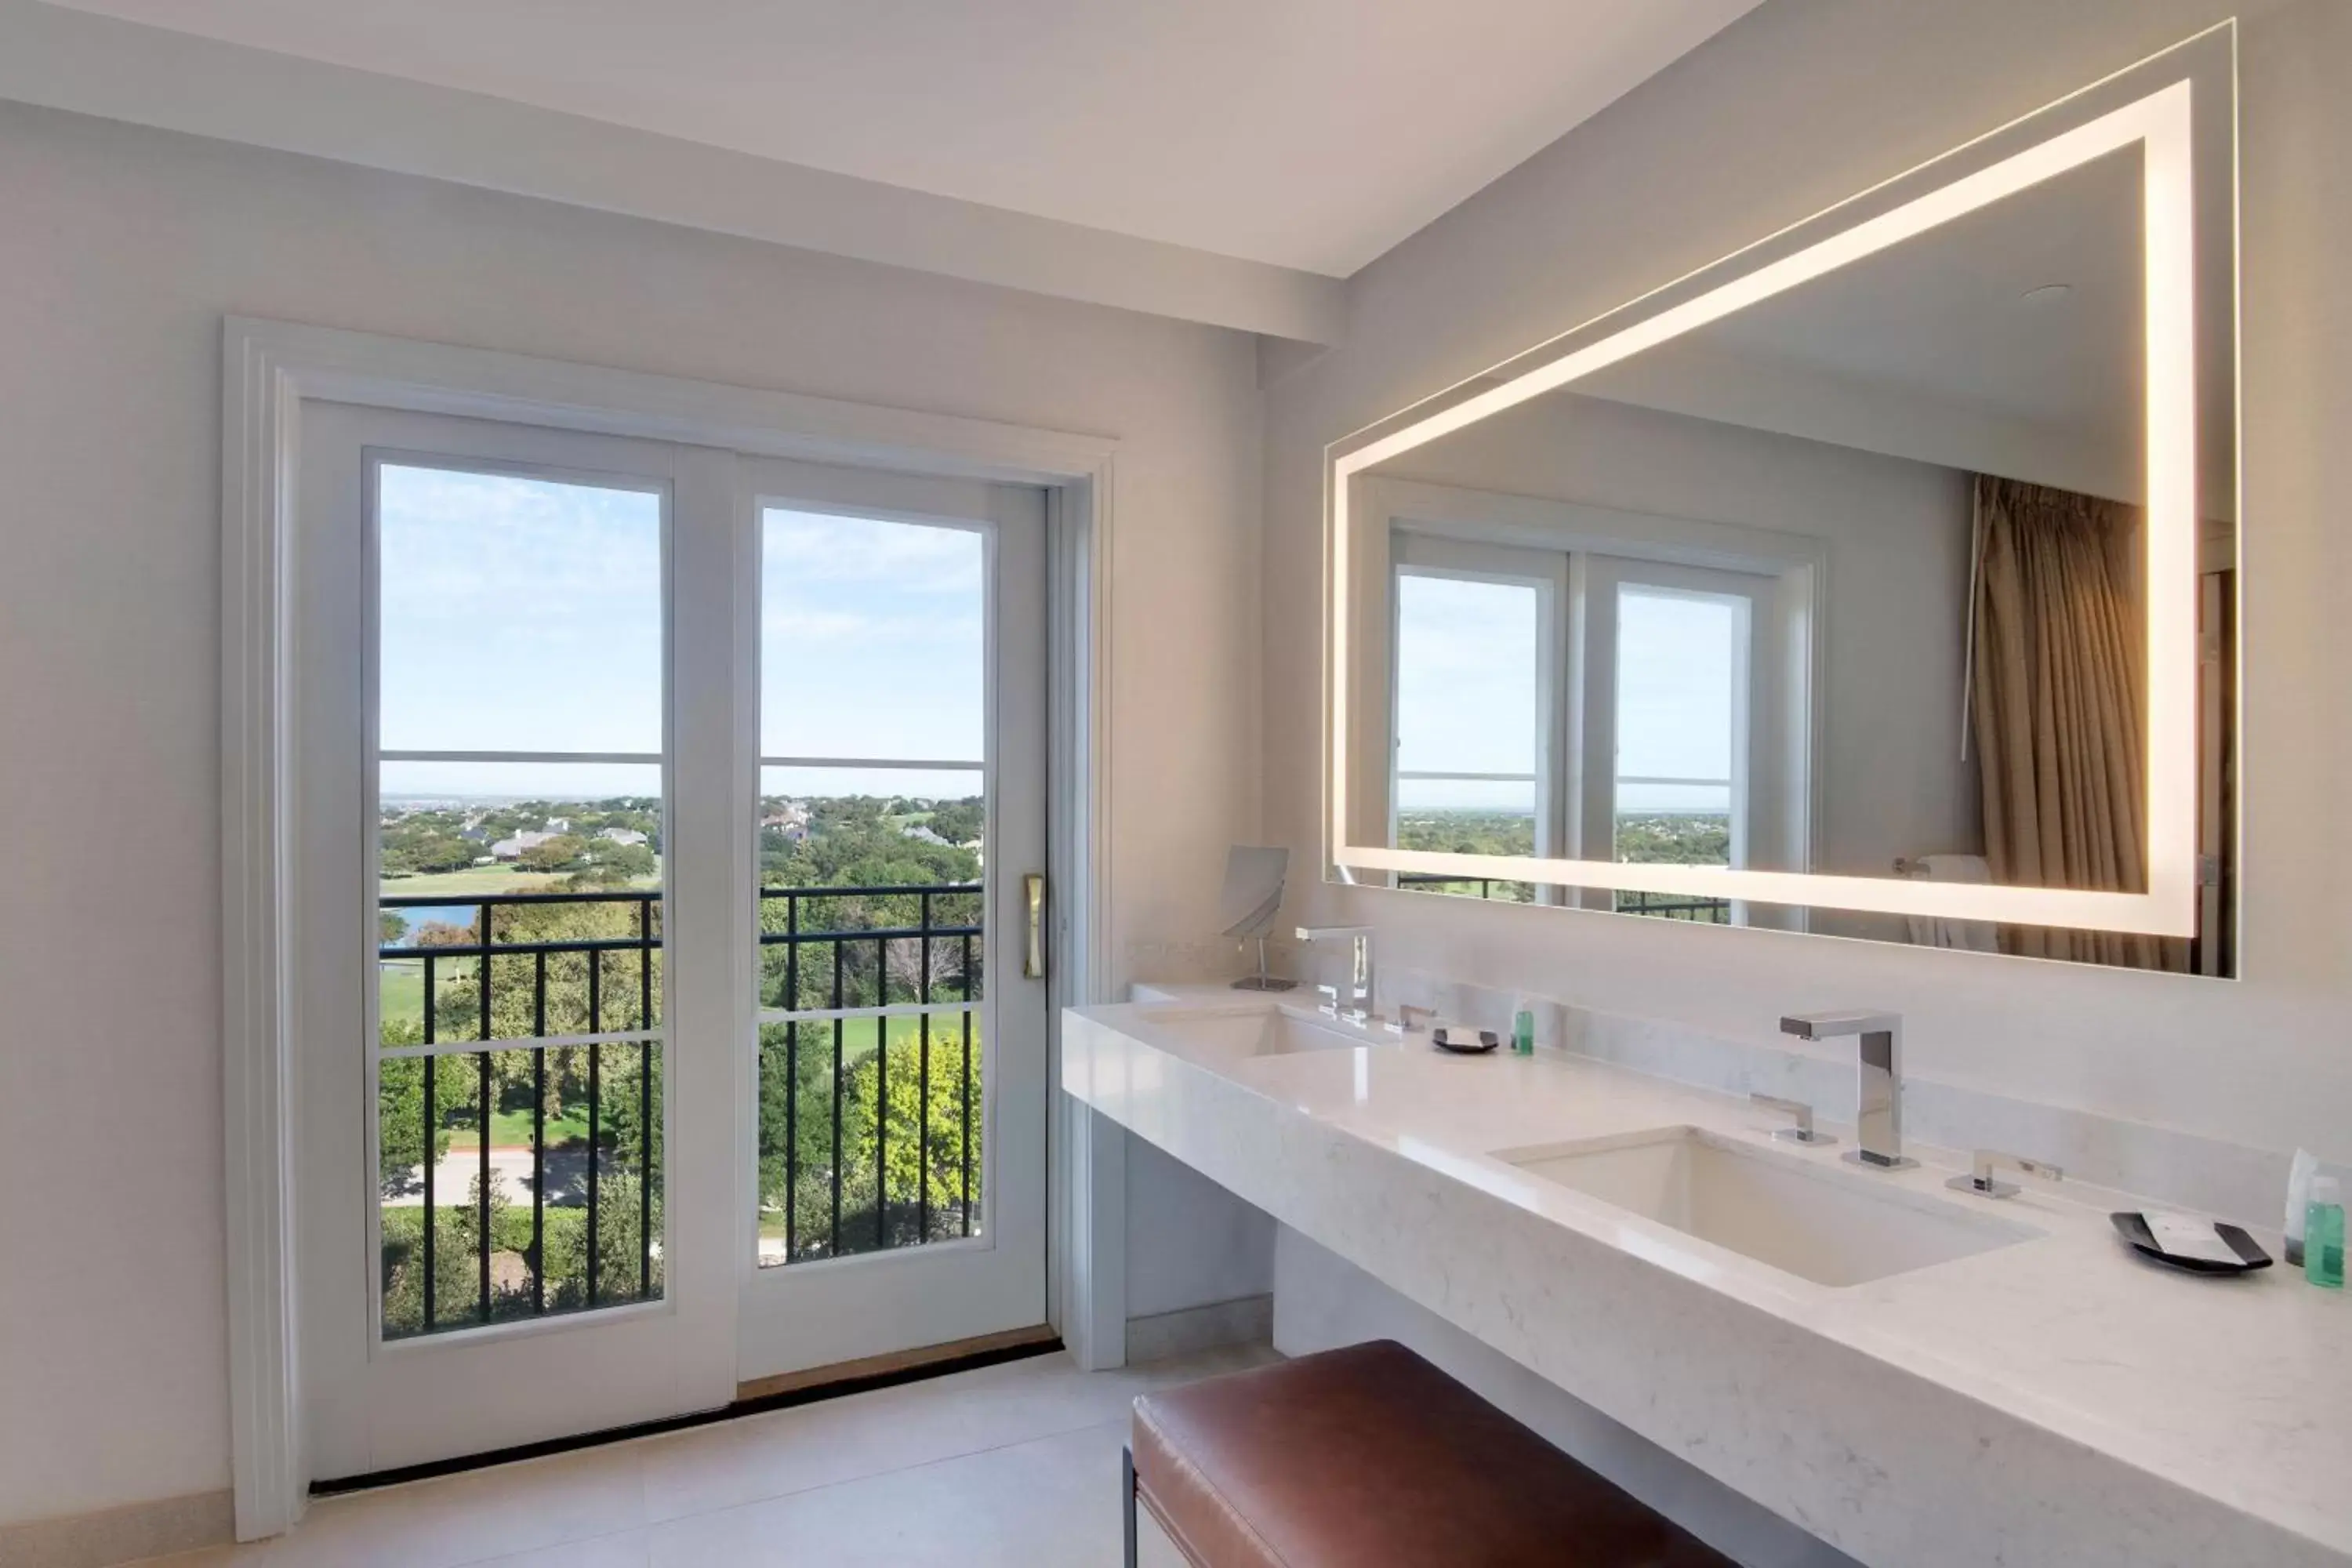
(2322, 1234)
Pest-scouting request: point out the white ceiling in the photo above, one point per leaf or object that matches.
(1951, 316)
(1311, 134)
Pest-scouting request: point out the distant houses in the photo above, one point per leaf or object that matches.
(513, 848)
(790, 818)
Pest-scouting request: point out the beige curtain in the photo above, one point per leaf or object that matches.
(2057, 708)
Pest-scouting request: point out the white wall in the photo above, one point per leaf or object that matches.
(1799, 104)
(120, 251)
(1190, 1242)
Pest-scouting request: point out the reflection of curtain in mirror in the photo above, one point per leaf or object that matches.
(2057, 708)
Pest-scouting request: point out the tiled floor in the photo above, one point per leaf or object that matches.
(1017, 1466)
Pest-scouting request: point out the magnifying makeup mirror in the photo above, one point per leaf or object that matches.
(1252, 897)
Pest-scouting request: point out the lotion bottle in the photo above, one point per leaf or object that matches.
(2322, 1234)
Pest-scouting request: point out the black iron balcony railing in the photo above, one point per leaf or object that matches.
(574, 979)
(612, 1015)
(903, 959)
(1670, 906)
(1463, 887)
(1675, 907)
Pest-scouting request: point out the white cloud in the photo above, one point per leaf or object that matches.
(911, 558)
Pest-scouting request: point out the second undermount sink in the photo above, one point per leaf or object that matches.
(1822, 1222)
(1259, 1032)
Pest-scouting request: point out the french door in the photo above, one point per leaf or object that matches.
(658, 810)
(896, 1103)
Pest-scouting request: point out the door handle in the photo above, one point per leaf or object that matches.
(1033, 902)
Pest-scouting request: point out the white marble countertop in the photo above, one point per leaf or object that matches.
(2056, 1400)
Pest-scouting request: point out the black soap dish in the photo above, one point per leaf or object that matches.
(2133, 1227)
(1463, 1041)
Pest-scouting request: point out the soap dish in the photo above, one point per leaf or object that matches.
(1464, 1042)
(2133, 1227)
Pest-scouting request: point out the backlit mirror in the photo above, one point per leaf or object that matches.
(1877, 582)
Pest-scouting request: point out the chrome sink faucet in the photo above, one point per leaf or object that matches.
(1980, 1179)
(1358, 1001)
(1878, 1100)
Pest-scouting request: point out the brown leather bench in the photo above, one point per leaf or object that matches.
(1371, 1458)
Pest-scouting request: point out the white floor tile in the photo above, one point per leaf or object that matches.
(1039, 1504)
(1015, 1465)
(1153, 1547)
(837, 1440)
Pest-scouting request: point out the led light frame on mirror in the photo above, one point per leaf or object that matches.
(2162, 125)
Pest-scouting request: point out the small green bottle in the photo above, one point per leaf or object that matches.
(1523, 1030)
(2322, 1234)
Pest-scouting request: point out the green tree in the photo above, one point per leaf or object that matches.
(893, 1178)
(1680, 839)
(610, 865)
(564, 852)
(400, 1108)
(959, 821)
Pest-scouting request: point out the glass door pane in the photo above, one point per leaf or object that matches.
(1470, 724)
(874, 823)
(1682, 670)
(520, 828)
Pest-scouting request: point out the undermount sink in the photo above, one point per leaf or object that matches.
(1824, 1223)
(1259, 1032)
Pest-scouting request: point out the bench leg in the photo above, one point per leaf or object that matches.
(1127, 1503)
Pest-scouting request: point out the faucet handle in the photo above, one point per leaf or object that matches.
(1802, 1132)
(1979, 1180)
(1411, 1019)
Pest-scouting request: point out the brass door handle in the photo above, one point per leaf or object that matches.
(1032, 898)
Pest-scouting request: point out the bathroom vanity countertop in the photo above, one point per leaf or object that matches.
(2055, 1400)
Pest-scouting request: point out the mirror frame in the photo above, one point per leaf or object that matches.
(2168, 105)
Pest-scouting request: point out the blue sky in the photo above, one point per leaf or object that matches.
(1674, 671)
(1466, 692)
(525, 614)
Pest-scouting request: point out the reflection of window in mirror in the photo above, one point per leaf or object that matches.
(1682, 702)
(1473, 693)
(1572, 703)
(1670, 710)
(1673, 733)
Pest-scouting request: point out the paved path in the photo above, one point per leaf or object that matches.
(510, 1176)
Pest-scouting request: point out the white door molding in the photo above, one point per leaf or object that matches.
(269, 369)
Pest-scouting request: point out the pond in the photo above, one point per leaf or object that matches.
(462, 916)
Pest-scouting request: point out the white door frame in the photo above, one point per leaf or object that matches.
(268, 368)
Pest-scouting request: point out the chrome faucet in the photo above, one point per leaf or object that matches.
(1800, 1115)
(1878, 1100)
(1357, 1001)
(1980, 1179)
